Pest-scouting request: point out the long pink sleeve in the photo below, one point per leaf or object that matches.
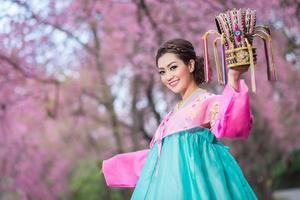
(123, 170)
(229, 114)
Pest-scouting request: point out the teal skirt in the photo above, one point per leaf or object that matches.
(193, 165)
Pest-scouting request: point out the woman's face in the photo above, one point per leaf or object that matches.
(174, 73)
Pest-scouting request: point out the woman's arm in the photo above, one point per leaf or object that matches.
(123, 170)
(229, 114)
(234, 77)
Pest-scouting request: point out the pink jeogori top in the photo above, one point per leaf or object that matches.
(227, 115)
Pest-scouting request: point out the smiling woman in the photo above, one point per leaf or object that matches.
(185, 159)
(175, 75)
(178, 66)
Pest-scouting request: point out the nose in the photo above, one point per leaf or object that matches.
(169, 76)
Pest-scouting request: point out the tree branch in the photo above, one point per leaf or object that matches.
(17, 67)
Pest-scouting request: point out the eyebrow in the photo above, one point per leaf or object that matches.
(167, 65)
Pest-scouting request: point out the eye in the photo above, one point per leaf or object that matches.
(161, 72)
(173, 67)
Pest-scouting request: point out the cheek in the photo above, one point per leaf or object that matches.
(182, 73)
(164, 80)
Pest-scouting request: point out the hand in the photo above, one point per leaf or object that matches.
(234, 76)
(235, 73)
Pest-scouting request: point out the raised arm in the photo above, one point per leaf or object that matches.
(229, 114)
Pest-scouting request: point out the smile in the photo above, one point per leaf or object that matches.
(173, 83)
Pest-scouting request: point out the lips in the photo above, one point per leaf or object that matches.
(173, 83)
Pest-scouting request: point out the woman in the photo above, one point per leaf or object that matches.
(185, 159)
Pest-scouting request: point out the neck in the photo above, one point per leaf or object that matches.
(190, 89)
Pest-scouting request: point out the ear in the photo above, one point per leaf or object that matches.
(192, 65)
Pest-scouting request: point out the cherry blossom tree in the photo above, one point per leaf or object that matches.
(78, 79)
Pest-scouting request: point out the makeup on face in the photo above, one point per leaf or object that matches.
(173, 72)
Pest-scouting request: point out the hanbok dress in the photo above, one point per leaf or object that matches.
(185, 160)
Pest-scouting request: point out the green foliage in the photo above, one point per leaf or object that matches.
(87, 183)
(287, 171)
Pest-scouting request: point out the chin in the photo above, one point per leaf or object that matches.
(176, 89)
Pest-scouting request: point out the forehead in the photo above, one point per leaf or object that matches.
(166, 59)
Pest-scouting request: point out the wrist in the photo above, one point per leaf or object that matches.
(233, 75)
(234, 82)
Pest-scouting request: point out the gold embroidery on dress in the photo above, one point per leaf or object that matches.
(193, 112)
(214, 111)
